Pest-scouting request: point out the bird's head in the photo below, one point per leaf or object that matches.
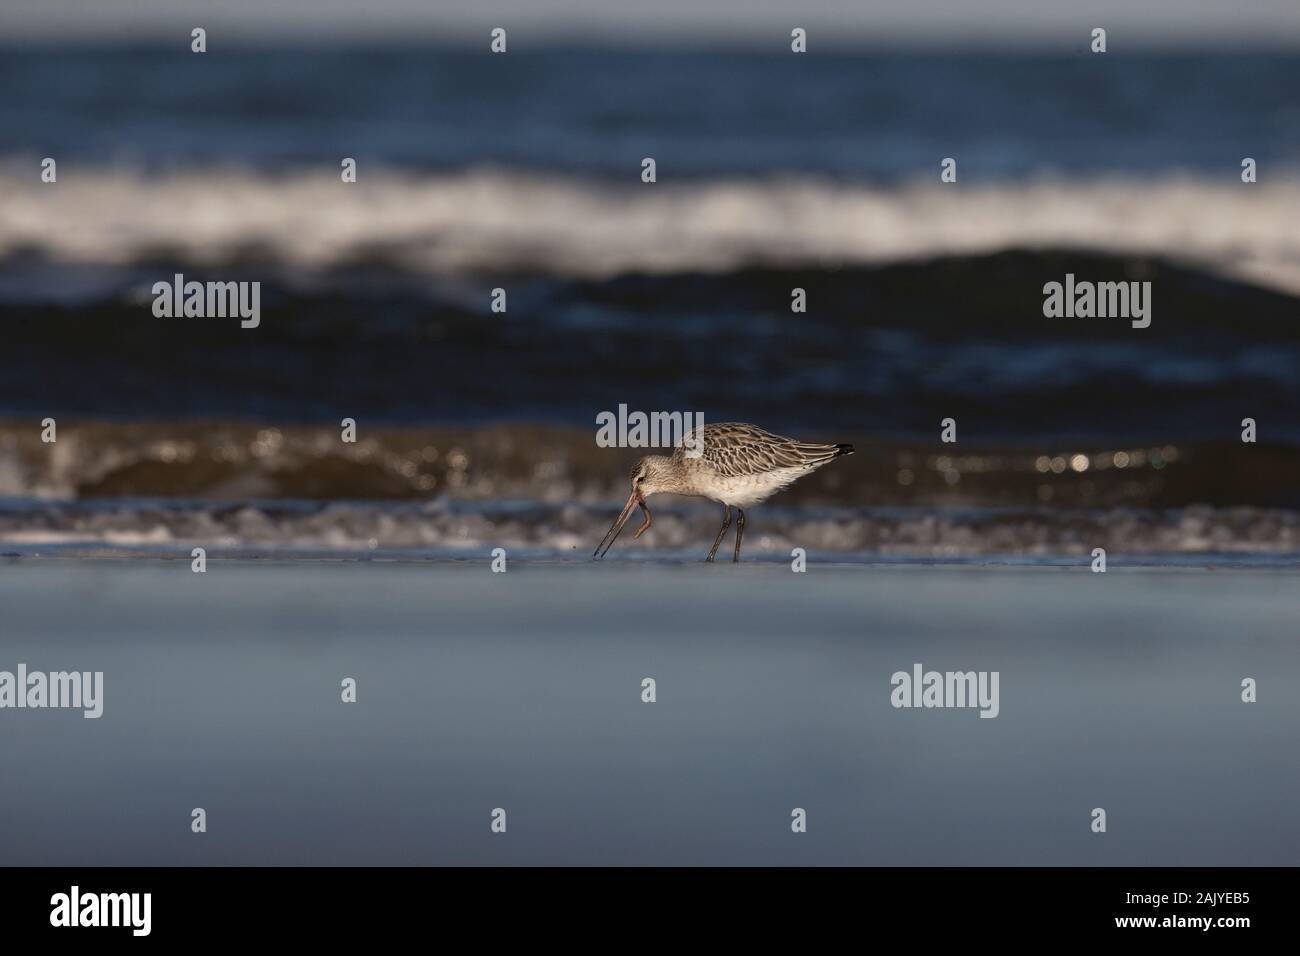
(653, 474)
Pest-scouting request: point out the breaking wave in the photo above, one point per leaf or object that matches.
(234, 460)
(491, 220)
(233, 485)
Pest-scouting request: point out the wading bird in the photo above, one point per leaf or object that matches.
(739, 465)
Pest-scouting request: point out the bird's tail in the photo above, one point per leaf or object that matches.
(817, 455)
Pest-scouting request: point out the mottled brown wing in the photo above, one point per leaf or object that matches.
(736, 449)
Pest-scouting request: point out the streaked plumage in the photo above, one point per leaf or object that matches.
(740, 466)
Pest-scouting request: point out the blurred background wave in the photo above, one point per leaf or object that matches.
(522, 172)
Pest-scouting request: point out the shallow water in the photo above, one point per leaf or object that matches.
(522, 691)
(683, 528)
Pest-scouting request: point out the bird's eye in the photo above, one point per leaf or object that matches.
(640, 478)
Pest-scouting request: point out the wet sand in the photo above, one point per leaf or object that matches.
(523, 691)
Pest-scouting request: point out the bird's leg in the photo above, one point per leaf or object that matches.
(726, 523)
(740, 532)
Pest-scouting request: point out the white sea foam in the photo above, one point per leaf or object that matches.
(538, 527)
(501, 220)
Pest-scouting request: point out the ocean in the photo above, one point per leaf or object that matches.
(522, 173)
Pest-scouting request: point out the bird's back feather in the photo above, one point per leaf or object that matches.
(741, 450)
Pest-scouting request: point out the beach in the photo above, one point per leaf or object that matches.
(524, 691)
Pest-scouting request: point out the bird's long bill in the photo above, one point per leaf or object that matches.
(611, 535)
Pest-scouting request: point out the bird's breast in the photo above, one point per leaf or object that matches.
(742, 491)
